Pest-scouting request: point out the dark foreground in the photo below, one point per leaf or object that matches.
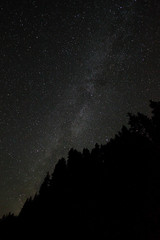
(112, 192)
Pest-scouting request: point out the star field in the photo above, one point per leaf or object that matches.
(69, 73)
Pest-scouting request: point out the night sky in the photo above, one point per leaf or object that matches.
(69, 73)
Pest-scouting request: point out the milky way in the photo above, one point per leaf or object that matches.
(70, 72)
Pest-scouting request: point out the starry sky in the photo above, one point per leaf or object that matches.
(70, 71)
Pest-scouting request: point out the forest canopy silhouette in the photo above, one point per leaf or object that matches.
(110, 192)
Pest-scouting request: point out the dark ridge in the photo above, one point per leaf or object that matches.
(111, 192)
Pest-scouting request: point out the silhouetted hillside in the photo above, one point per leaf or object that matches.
(112, 192)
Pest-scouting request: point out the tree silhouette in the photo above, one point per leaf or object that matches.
(45, 185)
(110, 192)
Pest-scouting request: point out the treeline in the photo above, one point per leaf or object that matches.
(111, 192)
